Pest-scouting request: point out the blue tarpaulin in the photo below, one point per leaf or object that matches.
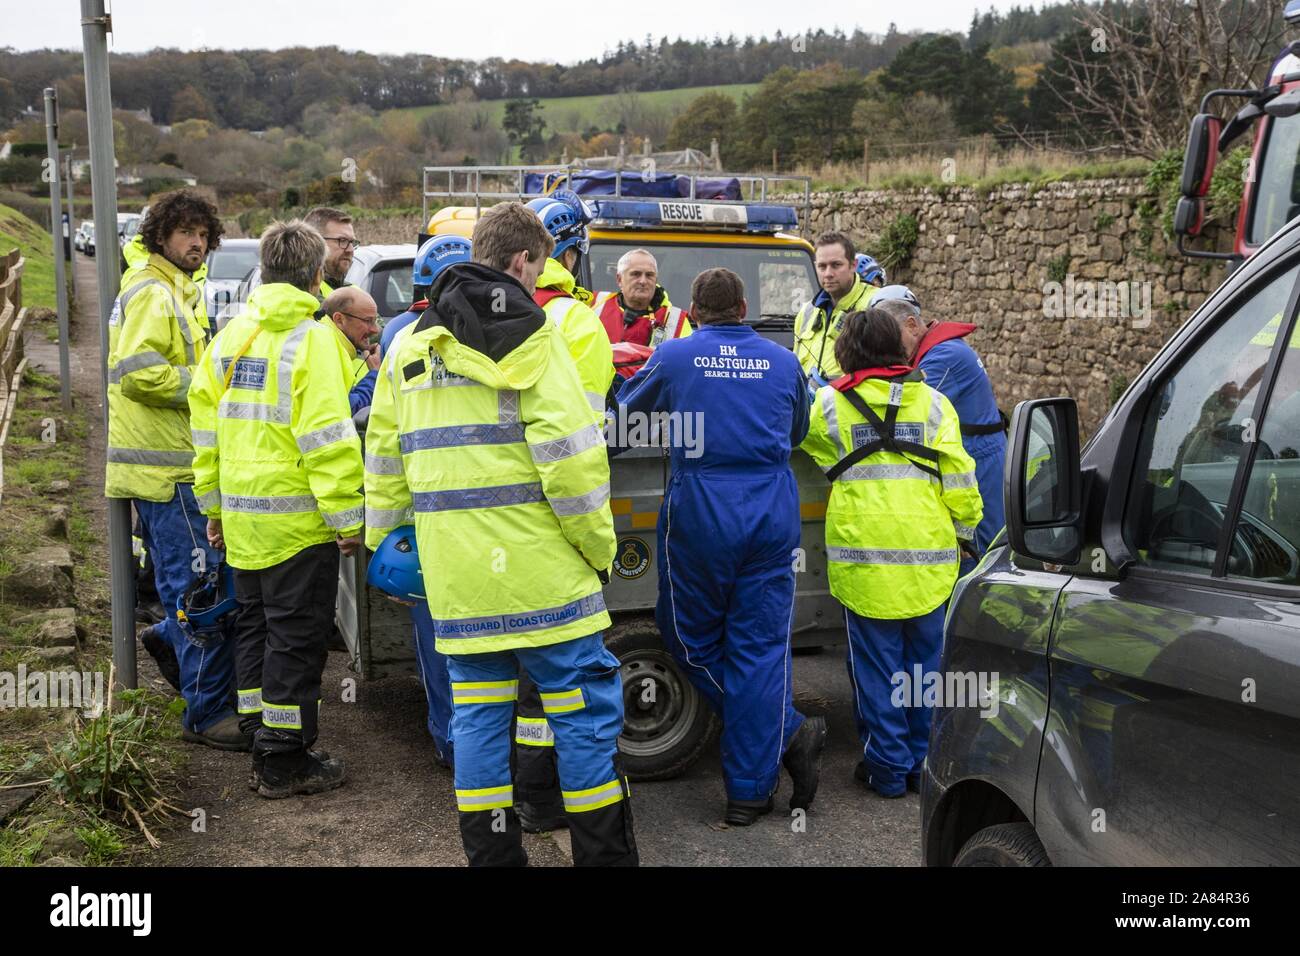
(604, 182)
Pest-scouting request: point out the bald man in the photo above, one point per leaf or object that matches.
(355, 316)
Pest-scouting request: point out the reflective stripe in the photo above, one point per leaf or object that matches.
(136, 362)
(832, 417)
(281, 412)
(339, 431)
(177, 312)
(258, 504)
(180, 398)
(563, 702)
(387, 517)
(339, 520)
(534, 732)
(884, 472)
(580, 801)
(203, 438)
(383, 465)
(935, 418)
(456, 436)
(965, 479)
(596, 401)
(492, 496)
(209, 500)
(143, 456)
(252, 411)
(882, 556)
(507, 406)
(581, 504)
(568, 446)
(284, 716)
(521, 622)
(965, 532)
(485, 692)
(250, 701)
(487, 798)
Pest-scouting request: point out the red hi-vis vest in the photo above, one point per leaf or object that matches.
(652, 328)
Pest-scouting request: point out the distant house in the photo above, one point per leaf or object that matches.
(133, 175)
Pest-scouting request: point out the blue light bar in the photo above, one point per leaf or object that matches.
(1291, 14)
(694, 214)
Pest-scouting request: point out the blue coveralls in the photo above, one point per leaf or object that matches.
(431, 665)
(728, 527)
(954, 368)
(172, 530)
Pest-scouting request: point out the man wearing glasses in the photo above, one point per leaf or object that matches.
(356, 318)
(335, 227)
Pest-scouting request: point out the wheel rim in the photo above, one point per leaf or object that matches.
(657, 716)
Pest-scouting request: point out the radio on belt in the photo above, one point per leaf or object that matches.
(675, 213)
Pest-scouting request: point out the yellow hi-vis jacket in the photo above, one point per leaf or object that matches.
(508, 480)
(892, 529)
(587, 342)
(155, 336)
(818, 325)
(277, 457)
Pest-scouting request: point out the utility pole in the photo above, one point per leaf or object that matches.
(95, 28)
(56, 230)
(72, 223)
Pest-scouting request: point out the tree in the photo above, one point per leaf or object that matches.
(806, 116)
(709, 116)
(524, 127)
(189, 103)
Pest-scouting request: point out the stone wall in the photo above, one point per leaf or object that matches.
(992, 258)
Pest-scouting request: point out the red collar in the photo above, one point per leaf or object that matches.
(941, 332)
(853, 380)
(543, 296)
(420, 306)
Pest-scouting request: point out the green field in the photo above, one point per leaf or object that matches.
(38, 274)
(571, 114)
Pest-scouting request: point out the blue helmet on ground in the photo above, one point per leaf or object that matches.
(563, 222)
(436, 254)
(900, 292)
(871, 271)
(208, 605)
(395, 566)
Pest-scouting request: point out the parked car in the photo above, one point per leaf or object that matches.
(382, 271)
(128, 224)
(79, 237)
(228, 265)
(88, 243)
(1141, 614)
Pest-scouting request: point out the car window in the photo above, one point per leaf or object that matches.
(1193, 438)
(1269, 528)
(390, 285)
(233, 263)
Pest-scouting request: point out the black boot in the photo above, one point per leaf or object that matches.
(803, 760)
(492, 837)
(604, 837)
(313, 775)
(541, 817)
(163, 654)
(743, 813)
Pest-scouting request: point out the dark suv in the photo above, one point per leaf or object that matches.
(1139, 620)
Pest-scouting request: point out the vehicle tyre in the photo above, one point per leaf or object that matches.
(1007, 844)
(667, 724)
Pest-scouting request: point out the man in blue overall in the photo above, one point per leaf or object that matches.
(728, 529)
(954, 368)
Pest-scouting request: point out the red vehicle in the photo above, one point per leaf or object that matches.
(1271, 197)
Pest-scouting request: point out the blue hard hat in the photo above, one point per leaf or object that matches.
(563, 222)
(436, 254)
(575, 202)
(208, 605)
(900, 292)
(395, 566)
(870, 270)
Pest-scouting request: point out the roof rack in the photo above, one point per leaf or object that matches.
(754, 187)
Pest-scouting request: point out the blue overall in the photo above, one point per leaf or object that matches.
(171, 531)
(727, 532)
(437, 683)
(893, 721)
(954, 368)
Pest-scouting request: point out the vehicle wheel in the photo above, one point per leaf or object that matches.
(1007, 844)
(666, 723)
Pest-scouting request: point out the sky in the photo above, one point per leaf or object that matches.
(459, 28)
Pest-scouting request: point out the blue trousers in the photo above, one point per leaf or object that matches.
(437, 682)
(990, 457)
(726, 597)
(582, 695)
(893, 726)
(172, 530)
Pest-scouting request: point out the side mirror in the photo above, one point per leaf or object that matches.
(1043, 485)
(1288, 104)
(1201, 154)
(1189, 216)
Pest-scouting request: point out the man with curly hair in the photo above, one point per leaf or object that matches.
(156, 337)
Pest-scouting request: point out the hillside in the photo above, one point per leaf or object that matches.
(38, 275)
